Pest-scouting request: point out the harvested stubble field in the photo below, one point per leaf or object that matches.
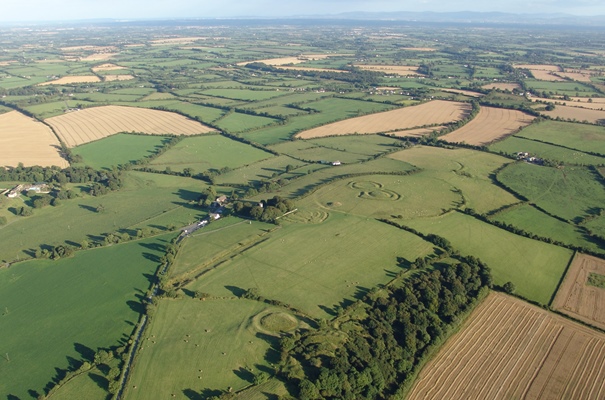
(99, 57)
(575, 103)
(431, 113)
(91, 124)
(468, 93)
(576, 113)
(578, 299)
(502, 86)
(111, 78)
(403, 70)
(293, 60)
(489, 125)
(580, 76)
(417, 132)
(25, 140)
(509, 349)
(66, 80)
(107, 67)
(295, 68)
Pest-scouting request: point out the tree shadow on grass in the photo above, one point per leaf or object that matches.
(153, 246)
(152, 257)
(33, 393)
(237, 291)
(101, 381)
(86, 352)
(244, 374)
(87, 207)
(136, 306)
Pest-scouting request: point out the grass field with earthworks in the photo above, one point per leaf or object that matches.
(513, 144)
(582, 137)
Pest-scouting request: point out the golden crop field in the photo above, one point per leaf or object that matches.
(295, 68)
(293, 60)
(110, 78)
(580, 76)
(539, 67)
(403, 70)
(577, 113)
(502, 86)
(107, 67)
(418, 132)
(576, 297)
(66, 80)
(468, 93)
(543, 72)
(489, 125)
(509, 349)
(79, 127)
(25, 140)
(596, 104)
(99, 57)
(430, 113)
(419, 48)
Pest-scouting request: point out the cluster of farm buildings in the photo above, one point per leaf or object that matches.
(39, 187)
(529, 158)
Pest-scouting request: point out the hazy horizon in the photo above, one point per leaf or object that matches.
(66, 10)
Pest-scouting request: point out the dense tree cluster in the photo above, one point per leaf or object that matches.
(266, 210)
(384, 347)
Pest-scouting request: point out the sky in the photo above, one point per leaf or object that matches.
(57, 10)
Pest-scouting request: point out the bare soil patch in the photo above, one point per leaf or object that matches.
(578, 299)
(67, 80)
(430, 113)
(79, 127)
(489, 125)
(508, 349)
(25, 140)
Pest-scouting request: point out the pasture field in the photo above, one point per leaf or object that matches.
(576, 114)
(534, 267)
(91, 124)
(561, 88)
(534, 221)
(52, 109)
(205, 114)
(77, 220)
(576, 297)
(89, 385)
(571, 193)
(281, 111)
(97, 97)
(466, 170)
(489, 125)
(350, 255)
(588, 138)
(238, 122)
(434, 112)
(220, 238)
(25, 140)
(84, 302)
(257, 171)
(513, 144)
(594, 105)
(368, 145)
(68, 80)
(210, 151)
(508, 349)
(191, 348)
(118, 149)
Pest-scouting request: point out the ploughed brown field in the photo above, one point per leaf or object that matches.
(25, 140)
(489, 125)
(578, 299)
(430, 113)
(79, 127)
(509, 349)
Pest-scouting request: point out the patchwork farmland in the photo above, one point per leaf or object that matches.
(79, 127)
(510, 349)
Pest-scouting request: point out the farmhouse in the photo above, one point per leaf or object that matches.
(40, 187)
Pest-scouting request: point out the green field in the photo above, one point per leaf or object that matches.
(216, 340)
(582, 137)
(570, 193)
(89, 385)
(53, 310)
(535, 268)
(119, 149)
(534, 221)
(209, 151)
(258, 171)
(316, 266)
(513, 145)
(144, 197)
(243, 94)
(238, 122)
